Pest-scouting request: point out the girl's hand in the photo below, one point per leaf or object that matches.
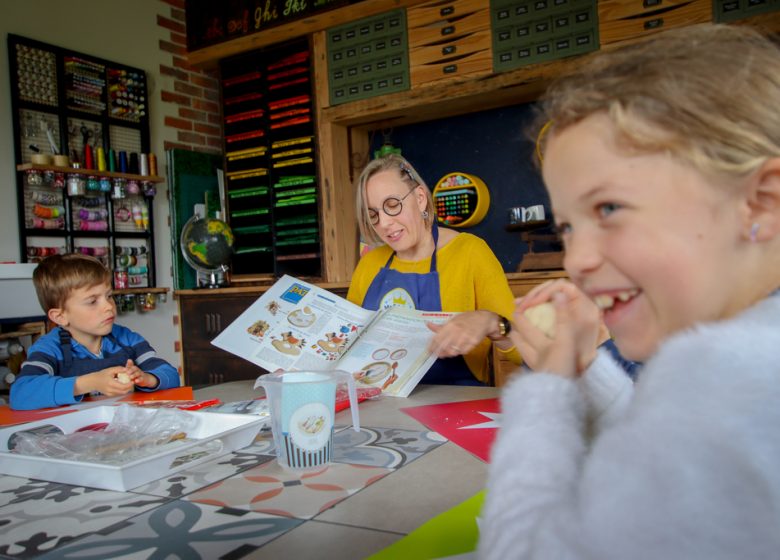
(578, 330)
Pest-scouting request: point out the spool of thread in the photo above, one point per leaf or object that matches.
(131, 250)
(101, 159)
(137, 270)
(93, 215)
(94, 251)
(152, 165)
(90, 201)
(127, 260)
(48, 211)
(40, 223)
(123, 162)
(88, 161)
(46, 198)
(111, 160)
(143, 164)
(133, 167)
(137, 216)
(100, 225)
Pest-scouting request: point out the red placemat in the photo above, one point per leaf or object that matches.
(470, 424)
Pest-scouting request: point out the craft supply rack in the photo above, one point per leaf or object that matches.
(63, 100)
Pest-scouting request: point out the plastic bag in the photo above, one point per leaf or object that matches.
(133, 433)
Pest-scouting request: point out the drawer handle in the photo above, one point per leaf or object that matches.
(448, 11)
(449, 30)
(450, 69)
(213, 323)
(449, 49)
(656, 23)
(651, 3)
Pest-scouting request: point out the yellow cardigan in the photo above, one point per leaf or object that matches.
(470, 278)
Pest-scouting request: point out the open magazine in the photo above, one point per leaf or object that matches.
(299, 326)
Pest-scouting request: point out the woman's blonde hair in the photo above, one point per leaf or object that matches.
(407, 174)
(57, 276)
(709, 95)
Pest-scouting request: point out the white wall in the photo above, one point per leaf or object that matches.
(124, 32)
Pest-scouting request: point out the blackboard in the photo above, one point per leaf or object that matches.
(494, 146)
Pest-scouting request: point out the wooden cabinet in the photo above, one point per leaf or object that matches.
(203, 314)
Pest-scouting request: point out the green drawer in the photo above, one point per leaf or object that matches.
(545, 51)
(368, 57)
(724, 11)
(374, 27)
(380, 86)
(503, 12)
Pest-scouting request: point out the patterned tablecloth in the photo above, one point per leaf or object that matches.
(384, 481)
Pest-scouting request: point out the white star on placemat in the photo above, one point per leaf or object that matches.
(494, 422)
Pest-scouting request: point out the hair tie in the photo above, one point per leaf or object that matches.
(539, 137)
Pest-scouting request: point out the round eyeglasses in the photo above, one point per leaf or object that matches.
(392, 206)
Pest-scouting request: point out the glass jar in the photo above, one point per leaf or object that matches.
(76, 185)
(34, 177)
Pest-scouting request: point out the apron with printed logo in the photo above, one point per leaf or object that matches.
(418, 291)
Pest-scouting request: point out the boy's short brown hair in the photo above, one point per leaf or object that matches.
(57, 276)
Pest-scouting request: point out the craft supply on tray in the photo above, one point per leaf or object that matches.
(207, 437)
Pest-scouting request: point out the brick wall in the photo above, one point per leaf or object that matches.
(190, 95)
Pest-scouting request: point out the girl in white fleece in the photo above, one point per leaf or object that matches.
(662, 161)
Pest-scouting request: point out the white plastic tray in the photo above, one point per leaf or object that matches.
(233, 430)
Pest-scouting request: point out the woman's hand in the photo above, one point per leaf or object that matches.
(461, 334)
(578, 330)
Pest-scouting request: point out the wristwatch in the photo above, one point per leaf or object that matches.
(504, 326)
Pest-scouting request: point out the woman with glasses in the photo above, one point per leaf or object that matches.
(417, 264)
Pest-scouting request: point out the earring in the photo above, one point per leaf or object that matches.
(754, 231)
(425, 214)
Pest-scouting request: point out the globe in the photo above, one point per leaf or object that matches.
(207, 246)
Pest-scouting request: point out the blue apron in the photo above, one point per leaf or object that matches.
(418, 291)
(81, 366)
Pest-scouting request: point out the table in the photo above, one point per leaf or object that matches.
(245, 506)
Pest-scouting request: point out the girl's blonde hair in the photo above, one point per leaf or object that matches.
(407, 174)
(709, 95)
(58, 276)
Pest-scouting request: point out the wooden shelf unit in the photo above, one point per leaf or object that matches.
(343, 130)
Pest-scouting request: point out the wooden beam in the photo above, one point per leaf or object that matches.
(210, 56)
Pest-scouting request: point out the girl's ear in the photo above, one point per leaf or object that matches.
(57, 316)
(763, 202)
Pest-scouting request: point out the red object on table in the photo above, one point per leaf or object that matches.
(470, 424)
(363, 393)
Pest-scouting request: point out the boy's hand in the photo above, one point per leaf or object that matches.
(139, 377)
(104, 381)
